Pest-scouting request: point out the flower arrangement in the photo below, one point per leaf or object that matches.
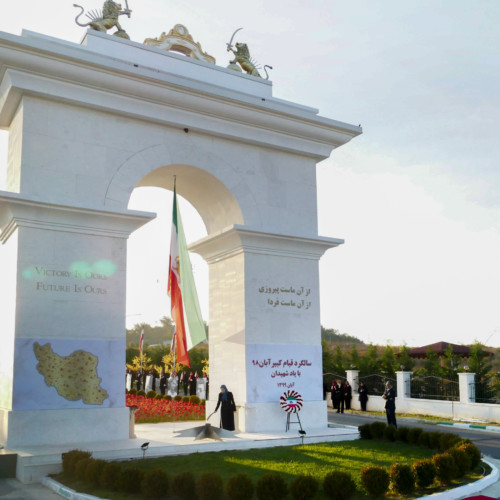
(152, 410)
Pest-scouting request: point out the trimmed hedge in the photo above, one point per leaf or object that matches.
(304, 487)
(424, 471)
(375, 481)
(339, 485)
(240, 487)
(401, 478)
(209, 486)
(271, 486)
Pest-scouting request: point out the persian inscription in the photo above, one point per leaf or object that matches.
(298, 298)
(74, 377)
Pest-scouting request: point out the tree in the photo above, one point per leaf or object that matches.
(450, 364)
(480, 365)
(431, 365)
(387, 362)
(353, 357)
(406, 362)
(339, 361)
(368, 364)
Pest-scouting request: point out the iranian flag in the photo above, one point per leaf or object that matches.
(189, 326)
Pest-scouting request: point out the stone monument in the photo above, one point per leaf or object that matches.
(87, 124)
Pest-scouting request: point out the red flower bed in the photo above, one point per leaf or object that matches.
(162, 410)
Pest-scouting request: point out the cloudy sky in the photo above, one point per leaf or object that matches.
(416, 197)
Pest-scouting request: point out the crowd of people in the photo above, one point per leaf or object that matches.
(341, 393)
(164, 382)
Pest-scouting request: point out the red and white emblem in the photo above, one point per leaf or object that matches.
(291, 401)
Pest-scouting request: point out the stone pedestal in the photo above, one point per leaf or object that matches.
(63, 322)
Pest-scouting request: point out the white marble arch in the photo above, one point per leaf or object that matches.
(87, 124)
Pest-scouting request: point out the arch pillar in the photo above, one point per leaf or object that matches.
(63, 317)
(265, 332)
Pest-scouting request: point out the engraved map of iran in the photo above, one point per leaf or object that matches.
(74, 377)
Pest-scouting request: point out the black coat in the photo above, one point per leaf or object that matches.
(227, 409)
(390, 398)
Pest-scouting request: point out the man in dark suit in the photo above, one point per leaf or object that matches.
(390, 404)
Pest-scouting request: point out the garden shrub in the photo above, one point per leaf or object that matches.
(159, 396)
(365, 431)
(390, 433)
(110, 476)
(168, 397)
(194, 400)
(424, 471)
(375, 480)
(304, 487)
(473, 452)
(209, 486)
(402, 434)
(183, 486)
(155, 483)
(402, 478)
(445, 467)
(271, 486)
(141, 393)
(339, 485)
(177, 397)
(93, 471)
(434, 439)
(185, 399)
(203, 402)
(70, 459)
(377, 429)
(462, 461)
(131, 479)
(133, 391)
(448, 440)
(240, 487)
(414, 434)
(424, 439)
(151, 394)
(81, 468)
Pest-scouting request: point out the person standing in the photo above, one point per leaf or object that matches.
(347, 395)
(390, 404)
(339, 396)
(332, 393)
(227, 408)
(192, 384)
(363, 395)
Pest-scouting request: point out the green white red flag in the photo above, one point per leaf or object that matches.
(185, 309)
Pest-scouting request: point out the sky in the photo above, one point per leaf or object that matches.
(416, 197)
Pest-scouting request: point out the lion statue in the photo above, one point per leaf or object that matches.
(105, 20)
(242, 57)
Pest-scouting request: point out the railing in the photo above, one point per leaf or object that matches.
(484, 392)
(375, 383)
(434, 388)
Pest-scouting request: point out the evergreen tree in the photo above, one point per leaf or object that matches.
(450, 364)
(431, 365)
(353, 358)
(387, 362)
(405, 360)
(480, 365)
(368, 364)
(339, 362)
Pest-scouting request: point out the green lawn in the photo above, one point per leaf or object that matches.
(314, 459)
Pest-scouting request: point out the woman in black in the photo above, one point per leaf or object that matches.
(226, 402)
(363, 395)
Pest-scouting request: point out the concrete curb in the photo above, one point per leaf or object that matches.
(66, 492)
(468, 489)
(476, 427)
